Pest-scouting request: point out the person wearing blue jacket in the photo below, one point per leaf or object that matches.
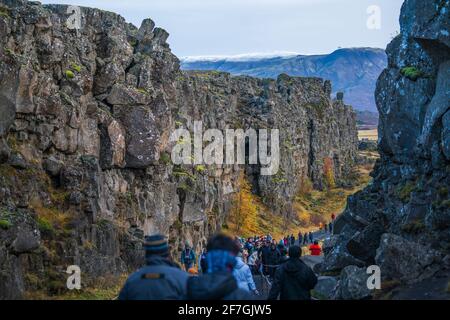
(160, 279)
(243, 276)
(188, 258)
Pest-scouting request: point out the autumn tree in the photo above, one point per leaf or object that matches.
(328, 172)
(245, 208)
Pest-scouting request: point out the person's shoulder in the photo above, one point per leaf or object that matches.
(138, 273)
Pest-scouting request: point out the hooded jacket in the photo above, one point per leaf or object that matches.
(161, 279)
(243, 275)
(215, 286)
(293, 281)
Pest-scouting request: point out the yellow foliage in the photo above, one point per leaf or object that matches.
(328, 172)
(245, 209)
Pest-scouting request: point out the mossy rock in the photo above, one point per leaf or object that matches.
(165, 158)
(412, 73)
(5, 224)
(69, 74)
(45, 227)
(414, 227)
(403, 192)
(4, 12)
(76, 67)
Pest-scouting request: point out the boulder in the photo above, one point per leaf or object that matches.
(17, 161)
(337, 256)
(142, 136)
(52, 166)
(27, 240)
(353, 284)
(129, 96)
(363, 244)
(325, 288)
(405, 260)
(112, 145)
(146, 30)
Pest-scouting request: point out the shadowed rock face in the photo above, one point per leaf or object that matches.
(85, 166)
(402, 221)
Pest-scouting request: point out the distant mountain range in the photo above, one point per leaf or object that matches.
(353, 71)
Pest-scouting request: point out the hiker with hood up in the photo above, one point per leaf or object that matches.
(218, 283)
(160, 279)
(293, 279)
(243, 276)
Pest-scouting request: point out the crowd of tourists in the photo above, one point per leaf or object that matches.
(225, 269)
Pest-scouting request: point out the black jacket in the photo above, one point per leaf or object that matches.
(293, 281)
(273, 257)
(215, 286)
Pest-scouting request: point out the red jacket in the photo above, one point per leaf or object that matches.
(315, 249)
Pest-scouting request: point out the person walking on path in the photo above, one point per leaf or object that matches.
(273, 258)
(315, 249)
(203, 261)
(300, 239)
(311, 237)
(160, 279)
(218, 283)
(293, 280)
(243, 276)
(306, 238)
(188, 257)
(253, 262)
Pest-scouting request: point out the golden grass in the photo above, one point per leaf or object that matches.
(104, 288)
(368, 134)
(311, 207)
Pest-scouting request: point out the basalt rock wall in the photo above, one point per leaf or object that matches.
(85, 150)
(401, 222)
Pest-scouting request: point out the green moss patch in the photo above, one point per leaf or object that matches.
(69, 74)
(5, 224)
(403, 192)
(76, 67)
(411, 73)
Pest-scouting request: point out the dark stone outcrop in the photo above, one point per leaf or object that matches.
(402, 220)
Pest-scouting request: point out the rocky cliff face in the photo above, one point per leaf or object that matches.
(353, 71)
(401, 222)
(85, 168)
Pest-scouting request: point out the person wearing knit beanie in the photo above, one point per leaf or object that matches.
(160, 279)
(156, 245)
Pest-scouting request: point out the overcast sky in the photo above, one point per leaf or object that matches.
(230, 27)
